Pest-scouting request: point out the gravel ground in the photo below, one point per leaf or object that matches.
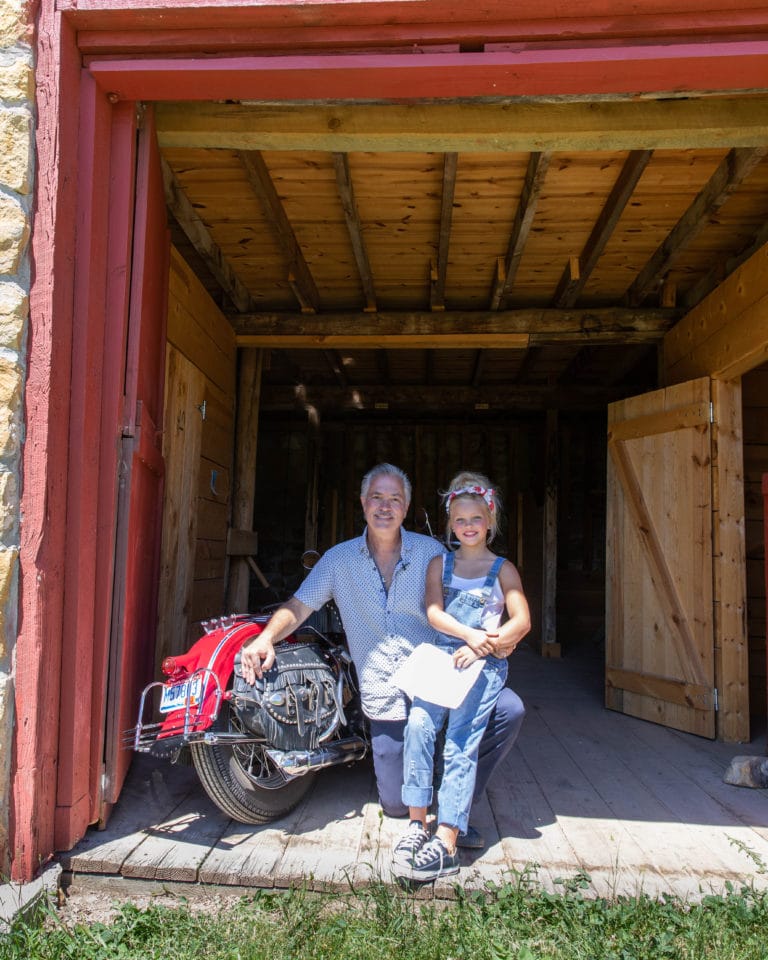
(88, 900)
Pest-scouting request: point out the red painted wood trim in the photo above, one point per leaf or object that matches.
(738, 65)
(765, 560)
(132, 14)
(120, 244)
(75, 719)
(46, 402)
(712, 25)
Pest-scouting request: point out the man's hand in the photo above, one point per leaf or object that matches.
(259, 655)
(256, 657)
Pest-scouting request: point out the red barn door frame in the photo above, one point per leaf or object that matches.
(80, 295)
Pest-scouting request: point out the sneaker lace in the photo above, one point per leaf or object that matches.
(412, 840)
(432, 850)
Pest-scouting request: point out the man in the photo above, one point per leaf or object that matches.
(377, 581)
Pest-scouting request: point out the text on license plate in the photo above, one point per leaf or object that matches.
(177, 696)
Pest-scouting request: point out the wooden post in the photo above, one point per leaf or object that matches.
(765, 552)
(313, 480)
(549, 645)
(730, 564)
(244, 487)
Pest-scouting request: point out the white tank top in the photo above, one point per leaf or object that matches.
(493, 609)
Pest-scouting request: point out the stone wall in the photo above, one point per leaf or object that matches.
(16, 180)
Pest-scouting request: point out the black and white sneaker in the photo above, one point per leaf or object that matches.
(409, 844)
(430, 862)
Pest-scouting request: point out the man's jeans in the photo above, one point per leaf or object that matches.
(387, 744)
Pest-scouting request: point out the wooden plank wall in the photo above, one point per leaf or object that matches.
(755, 400)
(198, 444)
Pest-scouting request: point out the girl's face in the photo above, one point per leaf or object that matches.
(470, 520)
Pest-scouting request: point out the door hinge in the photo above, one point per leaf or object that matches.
(714, 700)
(711, 412)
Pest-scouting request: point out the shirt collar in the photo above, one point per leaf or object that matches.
(406, 543)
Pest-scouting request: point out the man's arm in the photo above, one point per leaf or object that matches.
(259, 655)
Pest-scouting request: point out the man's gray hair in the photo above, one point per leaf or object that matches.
(390, 470)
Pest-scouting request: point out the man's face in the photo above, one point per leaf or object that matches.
(385, 505)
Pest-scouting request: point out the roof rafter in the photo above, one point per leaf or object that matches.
(569, 288)
(526, 211)
(437, 285)
(734, 168)
(199, 236)
(299, 275)
(354, 226)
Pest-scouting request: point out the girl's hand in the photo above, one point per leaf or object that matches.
(463, 657)
(477, 640)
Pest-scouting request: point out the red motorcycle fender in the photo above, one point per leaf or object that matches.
(214, 656)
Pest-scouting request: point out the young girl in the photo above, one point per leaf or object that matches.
(467, 593)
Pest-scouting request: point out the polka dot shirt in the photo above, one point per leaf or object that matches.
(382, 627)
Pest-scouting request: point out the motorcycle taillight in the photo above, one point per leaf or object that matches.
(170, 666)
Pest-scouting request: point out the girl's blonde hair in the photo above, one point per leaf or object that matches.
(474, 486)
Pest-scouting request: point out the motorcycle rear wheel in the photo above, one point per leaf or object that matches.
(242, 781)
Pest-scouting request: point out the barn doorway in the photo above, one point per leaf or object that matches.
(423, 307)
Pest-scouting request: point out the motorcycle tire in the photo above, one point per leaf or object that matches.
(242, 781)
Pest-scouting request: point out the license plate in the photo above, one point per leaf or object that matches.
(177, 696)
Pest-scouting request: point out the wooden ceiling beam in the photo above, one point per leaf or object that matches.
(510, 329)
(469, 127)
(722, 270)
(199, 236)
(299, 275)
(538, 164)
(445, 397)
(570, 287)
(354, 227)
(734, 168)
(437, 286)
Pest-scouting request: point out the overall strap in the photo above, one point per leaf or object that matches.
(448, 561)
(493, 573)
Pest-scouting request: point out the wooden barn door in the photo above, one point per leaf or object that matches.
(659, 591)
(134, 602)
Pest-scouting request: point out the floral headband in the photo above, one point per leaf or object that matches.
(485, 492)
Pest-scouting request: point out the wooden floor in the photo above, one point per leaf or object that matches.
(634, 806)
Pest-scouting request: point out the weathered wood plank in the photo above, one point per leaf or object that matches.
(154, 789)
(729, 559)
(324, 849)
(200, 238)
(737, 165)
(606, 125)
(533, 184)
(175, 848)
(727, 333)
(571, 285)
(185, 389)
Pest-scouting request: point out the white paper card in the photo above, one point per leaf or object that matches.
(429, 673)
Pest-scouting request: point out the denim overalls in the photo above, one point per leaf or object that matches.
(466, 723)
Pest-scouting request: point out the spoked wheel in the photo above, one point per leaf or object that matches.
(242, 781)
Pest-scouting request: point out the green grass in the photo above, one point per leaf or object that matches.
(516, 920)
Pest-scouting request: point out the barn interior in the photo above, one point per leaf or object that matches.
(441, 309)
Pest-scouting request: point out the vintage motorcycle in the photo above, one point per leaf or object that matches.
(257, 749)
